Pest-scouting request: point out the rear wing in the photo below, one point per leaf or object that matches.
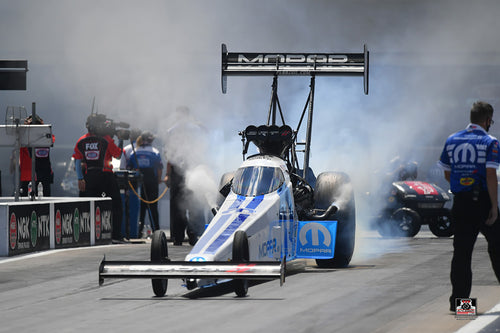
(296, 64)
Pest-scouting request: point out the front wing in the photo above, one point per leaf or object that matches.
(258, 270)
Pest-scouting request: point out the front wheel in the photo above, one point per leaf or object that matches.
(159, 253)
(240, 254)
(405, 222)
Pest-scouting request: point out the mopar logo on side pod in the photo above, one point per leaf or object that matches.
(316, 229)
(316, 239)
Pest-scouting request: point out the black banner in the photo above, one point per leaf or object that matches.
(72, 224)
(29, 228)
(103, 222)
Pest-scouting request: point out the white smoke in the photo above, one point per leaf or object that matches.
(142, 60)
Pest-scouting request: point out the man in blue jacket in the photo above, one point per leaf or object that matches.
(470, 159)
(147, 159)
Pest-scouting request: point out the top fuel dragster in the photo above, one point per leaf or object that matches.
(274, 210)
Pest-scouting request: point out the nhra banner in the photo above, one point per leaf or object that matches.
(29, 228)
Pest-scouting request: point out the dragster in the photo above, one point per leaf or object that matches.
(274, 210)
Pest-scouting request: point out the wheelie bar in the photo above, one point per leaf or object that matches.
(256, 270)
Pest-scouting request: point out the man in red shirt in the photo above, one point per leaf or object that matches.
(94, 153)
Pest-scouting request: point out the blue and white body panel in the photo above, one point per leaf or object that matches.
(265, 218)
(269, 220)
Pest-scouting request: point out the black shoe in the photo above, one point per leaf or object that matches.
(177, 243)
(453, 307)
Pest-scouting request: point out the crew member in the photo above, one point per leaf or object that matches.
(131, 202)
(96, 151)
(43, 168)
(128, 149)
(147, 160)
(180, 207)
(470, 159)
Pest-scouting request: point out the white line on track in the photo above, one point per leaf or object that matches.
(4, 260)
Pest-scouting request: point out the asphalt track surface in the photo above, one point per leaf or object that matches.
(392, 285)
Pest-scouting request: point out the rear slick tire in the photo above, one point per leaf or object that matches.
(336, 187)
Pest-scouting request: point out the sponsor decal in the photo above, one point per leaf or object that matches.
(97, 223)
(85, 222)
(316, 239)
(23, 228)
(106, 218)
(465, 308)
(42, 152)
(29, 228)
(92, 145)
(43, 226)
(198, 259)
(34, 228)
(468, 181)
(13, 231)
(58, 227)
(269, 248)
(292, 58)
(422, 188)
(76, 225)
(241, 268)
(67, 228)
(92, 155)
(464, 153)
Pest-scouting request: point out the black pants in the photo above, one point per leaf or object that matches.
(149, 192)
(178, 220)
(469, 218)
(104, 184)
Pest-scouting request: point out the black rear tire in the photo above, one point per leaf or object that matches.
(442, 226)
(159, 253)
(240, 254)
(336, 187)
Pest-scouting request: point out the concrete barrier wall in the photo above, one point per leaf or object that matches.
(52, 223)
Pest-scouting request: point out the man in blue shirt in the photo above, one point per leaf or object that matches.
(147, 159)
(470, 159)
